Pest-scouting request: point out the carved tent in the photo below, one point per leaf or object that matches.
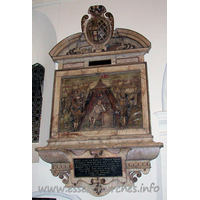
(100, 133)
(102, 95)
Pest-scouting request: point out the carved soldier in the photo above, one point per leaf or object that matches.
(77, 112)
(122, 108)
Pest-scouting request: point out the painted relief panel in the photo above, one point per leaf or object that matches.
(101, 101)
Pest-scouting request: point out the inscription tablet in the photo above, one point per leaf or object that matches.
(98, 167)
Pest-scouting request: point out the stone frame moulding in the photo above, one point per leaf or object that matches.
(100, 113)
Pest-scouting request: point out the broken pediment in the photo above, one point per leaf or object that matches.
(100, 135)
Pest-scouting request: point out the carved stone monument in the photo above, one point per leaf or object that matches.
(100, 133)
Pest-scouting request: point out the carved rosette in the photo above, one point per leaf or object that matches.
(99, 28)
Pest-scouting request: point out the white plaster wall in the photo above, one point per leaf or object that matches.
(146, 17)
(43, 38)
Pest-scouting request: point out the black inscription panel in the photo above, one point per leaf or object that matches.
(97, 167)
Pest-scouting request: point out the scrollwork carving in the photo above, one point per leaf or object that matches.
(96, 153)
(84, 18)
(80, 50)
(126, 46)
(61, 175)
(61, 170)
(111, 18)
(73, 51)
(134, 175)
(98, 189)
